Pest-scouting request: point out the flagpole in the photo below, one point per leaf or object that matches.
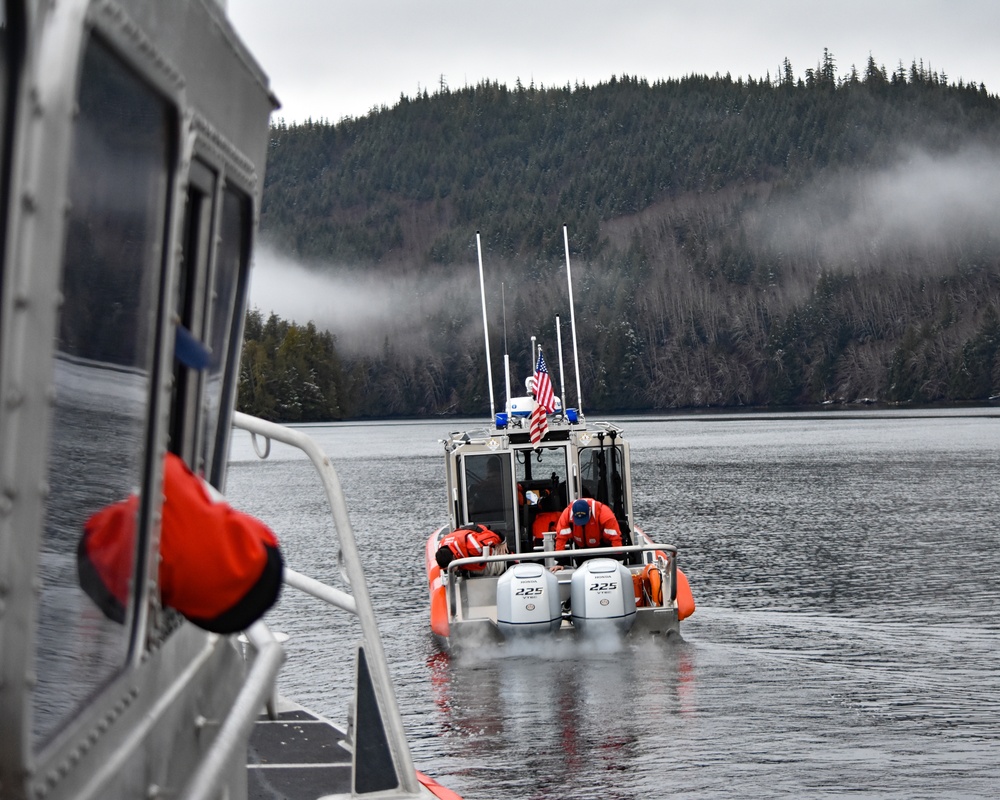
(486, 330)
(534, 361)
(572, 321)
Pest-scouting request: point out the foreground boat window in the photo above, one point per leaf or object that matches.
(5, 73)
(226, 292)
(110, 279)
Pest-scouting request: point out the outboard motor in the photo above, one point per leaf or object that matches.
(602, 597)
(528, 601)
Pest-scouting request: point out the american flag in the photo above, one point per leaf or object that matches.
(545, 402)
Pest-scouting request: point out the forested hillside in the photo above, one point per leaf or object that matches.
(775, 241)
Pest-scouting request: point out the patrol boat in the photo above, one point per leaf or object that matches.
(133, 139)
(515, 477)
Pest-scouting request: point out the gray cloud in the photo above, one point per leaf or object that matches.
(924, 202)
(361, 308)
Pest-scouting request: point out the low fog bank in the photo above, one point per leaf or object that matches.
(361, 309)
(924, 204)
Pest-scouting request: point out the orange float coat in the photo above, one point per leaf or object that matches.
(221, 568)
(471, 542)
(600, 531)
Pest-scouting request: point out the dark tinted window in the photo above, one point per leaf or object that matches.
(110, 282)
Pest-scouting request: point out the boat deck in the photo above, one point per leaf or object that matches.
(297, 756)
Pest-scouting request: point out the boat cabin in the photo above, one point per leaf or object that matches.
(499, 479)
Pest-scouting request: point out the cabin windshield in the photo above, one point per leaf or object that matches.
(542, 490)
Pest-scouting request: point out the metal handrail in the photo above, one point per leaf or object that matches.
(207, 780)
(319, 590)
(360, 597)
(536, 555)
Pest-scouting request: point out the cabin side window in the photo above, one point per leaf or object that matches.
(209, 297)
(5, 73)
(489, 492)
(190, 302)
(225, 324)
(111, 282)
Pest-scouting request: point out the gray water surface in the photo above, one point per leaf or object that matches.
(847, 573)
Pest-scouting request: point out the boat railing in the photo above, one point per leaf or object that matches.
(668, 553)
(358, 601)
(209, 778)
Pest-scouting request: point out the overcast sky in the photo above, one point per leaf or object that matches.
(329, 59)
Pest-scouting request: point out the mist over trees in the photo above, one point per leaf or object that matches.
(734, 241)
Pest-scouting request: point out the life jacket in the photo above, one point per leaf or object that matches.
(219, 567)
(470, 541)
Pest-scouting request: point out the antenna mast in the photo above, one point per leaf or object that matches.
(572, 321)
(562, 372)
(506, 355)
(486, 330)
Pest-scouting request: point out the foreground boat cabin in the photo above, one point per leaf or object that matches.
(133, 140)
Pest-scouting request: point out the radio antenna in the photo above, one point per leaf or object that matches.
(506, 356)
(486, 329)
(572, 322)
(562, 372)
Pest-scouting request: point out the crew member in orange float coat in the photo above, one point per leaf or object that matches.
(589, 523)
(469, 542)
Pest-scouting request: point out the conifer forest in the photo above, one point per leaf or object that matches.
(829, 237)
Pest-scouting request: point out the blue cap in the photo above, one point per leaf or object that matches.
(581, 512)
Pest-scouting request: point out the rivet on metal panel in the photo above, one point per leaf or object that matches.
(36, 102)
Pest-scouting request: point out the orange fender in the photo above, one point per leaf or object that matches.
(436, 789)
(439, 598)
(654, 584)
(639, 588)
(685, 600)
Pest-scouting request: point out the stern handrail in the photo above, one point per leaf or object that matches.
(537, 555)
(377, 665)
